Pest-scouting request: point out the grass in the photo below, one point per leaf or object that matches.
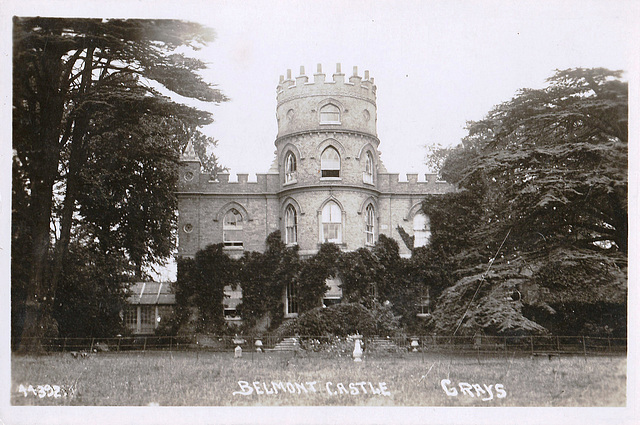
(210, 379)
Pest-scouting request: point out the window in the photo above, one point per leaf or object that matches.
(292, 298)
(330, 162)
(291, 225)
(331, 223)
(367, 177)
(330, 114)
(147, 319)
(369, 224)
(421, 232)
(290, 168)
(232, 228)
(131, 317)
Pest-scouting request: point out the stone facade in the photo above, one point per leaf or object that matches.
(327, 182)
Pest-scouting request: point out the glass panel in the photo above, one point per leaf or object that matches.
(131, 317)
(330, 113)
(330, 159)
(233, 219)
(147, 318)
(292, 298)
(369, 224)
(421, 233)
(290, 168)
(332, 232)
(291, 225)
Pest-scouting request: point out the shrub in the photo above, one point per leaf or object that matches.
(341, 320)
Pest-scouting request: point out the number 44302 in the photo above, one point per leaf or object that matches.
(42, 391)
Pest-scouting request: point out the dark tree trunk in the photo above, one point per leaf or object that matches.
(45, 157)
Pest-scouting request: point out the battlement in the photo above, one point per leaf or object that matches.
(241, 183)
(412, 183)
(356, 86)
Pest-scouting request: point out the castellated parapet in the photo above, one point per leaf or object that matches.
(301, 103)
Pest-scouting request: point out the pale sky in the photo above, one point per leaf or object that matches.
(436, 64)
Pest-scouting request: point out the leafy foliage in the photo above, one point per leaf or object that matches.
(341, 320)
(314, 273)
(263, 279)
(92, 294)
(84, 111)
(543, 182)
(200, 289)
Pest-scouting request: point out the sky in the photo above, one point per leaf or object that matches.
(436, 64)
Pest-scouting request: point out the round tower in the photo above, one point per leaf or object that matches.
(327, 159)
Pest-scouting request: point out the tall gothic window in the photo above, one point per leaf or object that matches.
(369, 225)
(368, 169)
(291, 225)
(290, 168)
(421, 230)
(232, 228)
(331, 223)
(330, 114)
(330, 162)
(292, 298)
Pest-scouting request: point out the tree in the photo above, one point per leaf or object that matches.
(200, 288)
(264, 278)
(546, 177)
(71, 78)
(314, 274)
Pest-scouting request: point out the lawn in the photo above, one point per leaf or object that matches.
(285, 379)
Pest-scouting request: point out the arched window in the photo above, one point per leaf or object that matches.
(331, 223)
(330, 114)
(232, 228)
(330, 162)
(291, 225)
(369, 224)
(367, 177)
(290, 168)
(421, 230)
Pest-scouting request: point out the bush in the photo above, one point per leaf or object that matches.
(341, 320)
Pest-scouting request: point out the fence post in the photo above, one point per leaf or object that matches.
(119, 339)
(64, 345)
(584, 347)
(170, 343)
(144, 347)
(91, 348)
(558, 343)
(609, 342)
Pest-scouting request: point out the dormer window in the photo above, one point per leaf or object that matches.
(290, 168)
(330, 162)
(330, 114)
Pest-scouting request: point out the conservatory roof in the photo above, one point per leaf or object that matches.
(151, 293)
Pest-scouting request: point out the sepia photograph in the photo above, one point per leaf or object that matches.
(294, 212)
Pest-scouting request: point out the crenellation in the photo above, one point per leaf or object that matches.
(289, 88)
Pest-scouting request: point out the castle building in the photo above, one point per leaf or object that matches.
(327, 182)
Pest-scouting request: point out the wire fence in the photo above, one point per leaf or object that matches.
(475, 345)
